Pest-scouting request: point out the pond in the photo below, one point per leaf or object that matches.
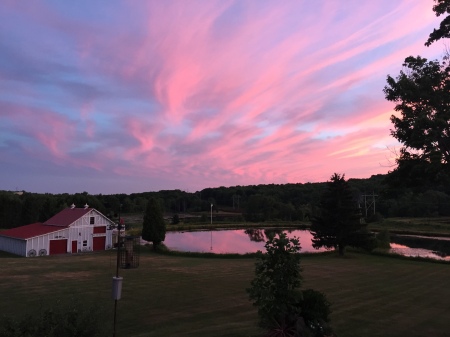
(422, 246)
(232, 241)
(251, 240)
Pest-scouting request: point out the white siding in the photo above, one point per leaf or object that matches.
(14, 246)
(82, 230)
(43, 241)
(81, 234)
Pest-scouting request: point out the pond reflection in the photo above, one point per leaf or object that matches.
(251, 240)
(232, 241)
(421, 246)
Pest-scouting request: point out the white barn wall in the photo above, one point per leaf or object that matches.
(43, 241)
(80, 234)
(82, 230)
(13, 246)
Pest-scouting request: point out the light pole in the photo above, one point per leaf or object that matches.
(211, 226)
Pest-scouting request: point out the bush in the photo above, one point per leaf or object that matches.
(377, 217)
(175, 219)
(60, 319)
(315, 310)
(383, 239)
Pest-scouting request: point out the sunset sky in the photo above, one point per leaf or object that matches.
(133, 96)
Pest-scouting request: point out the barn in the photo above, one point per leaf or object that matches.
(72, 230)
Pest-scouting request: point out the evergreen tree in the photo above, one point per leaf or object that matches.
(339, 223)
(154, 227)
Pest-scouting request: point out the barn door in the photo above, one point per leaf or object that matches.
(58, 246)
(74, 246)
(99, 243)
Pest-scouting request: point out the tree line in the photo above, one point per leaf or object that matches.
(253, 203)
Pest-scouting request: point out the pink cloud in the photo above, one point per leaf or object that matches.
(202, 94)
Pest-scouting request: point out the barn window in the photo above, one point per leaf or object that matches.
(85, 243)
(92, 220)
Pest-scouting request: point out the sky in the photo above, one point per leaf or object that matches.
(134, 96)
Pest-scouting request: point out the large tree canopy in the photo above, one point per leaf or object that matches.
(441, 7)
(422, 96)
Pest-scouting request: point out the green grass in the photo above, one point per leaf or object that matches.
(421, 226)
(196, 296)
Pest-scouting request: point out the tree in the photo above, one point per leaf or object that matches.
(441, 7)
(154, 227)
(275, 288)
(339, 223)
(422, 96)
(282, 308)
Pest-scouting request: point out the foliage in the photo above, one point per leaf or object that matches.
(383, 239)
(441, 7)
(316, 311)
(62, 319)
(175, 219)
(274, 290)
(339, 223)
(375, 217)
(154, 227)
(408, 193)
(422, 96)
(283, 309)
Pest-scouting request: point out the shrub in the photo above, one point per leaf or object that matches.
(315, 310)
(60, 319)
(383, 239)
(377, 217)
(175, 219)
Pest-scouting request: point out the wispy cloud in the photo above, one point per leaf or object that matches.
(158, 95)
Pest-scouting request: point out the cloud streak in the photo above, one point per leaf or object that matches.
(174, 94)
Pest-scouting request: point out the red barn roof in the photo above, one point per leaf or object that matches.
(67, 216)
(30, 231)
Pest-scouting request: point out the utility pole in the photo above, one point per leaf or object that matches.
(370, 202)
(117, 281)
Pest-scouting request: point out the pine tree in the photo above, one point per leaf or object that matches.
(339, 224)
(154, 227)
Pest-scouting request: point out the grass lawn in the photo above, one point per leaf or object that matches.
(439, 226)
(188, 296)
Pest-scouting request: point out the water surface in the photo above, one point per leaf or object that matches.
(251, 240)
(232, 241)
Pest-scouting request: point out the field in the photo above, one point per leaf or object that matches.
(197, 296)
(438, 226)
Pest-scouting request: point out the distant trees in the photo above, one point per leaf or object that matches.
(339, 223)
(154, 227)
